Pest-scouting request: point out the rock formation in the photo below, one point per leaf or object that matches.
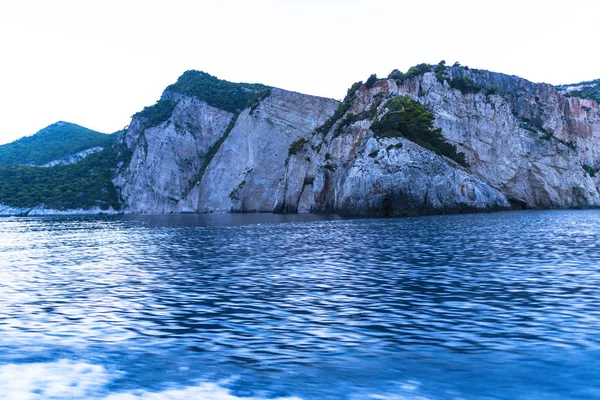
(525, 146)
(436, 139)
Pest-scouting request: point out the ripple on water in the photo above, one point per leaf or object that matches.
(422, 296)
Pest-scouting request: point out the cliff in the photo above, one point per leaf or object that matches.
(436, 139)
(520, 144)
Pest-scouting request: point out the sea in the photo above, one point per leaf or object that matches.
(260, 306)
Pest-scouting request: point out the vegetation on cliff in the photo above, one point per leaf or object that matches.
(85, 184)
(412, 72)
(52, 143)
(342, 108)
(228, 96)
(409, 119)
(586, 90)
(460, 81)
(157, 113)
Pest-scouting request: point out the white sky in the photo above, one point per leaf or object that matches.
(97, 62)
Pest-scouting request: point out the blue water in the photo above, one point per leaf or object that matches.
(485, 306)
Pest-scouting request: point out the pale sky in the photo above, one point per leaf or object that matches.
(97, 62)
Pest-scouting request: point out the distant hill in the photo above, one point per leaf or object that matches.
(584, 90)
(51, 143)
(85, 184)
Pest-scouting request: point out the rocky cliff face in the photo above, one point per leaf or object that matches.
(525, 146)
(527, 140)
(165, 158)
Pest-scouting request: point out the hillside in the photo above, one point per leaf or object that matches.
(83, 185)
(52, 143)
(584, 90)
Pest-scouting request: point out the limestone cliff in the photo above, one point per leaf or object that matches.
(525, 145)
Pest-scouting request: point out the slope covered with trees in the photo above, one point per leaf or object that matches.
(85, 184)
(228, 96)
(52, 143)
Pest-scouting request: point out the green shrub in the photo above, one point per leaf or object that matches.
(371, 81)
(440, 72)
(373, 109)
(547, 134)
(351, 92)
(417, 70)
(590, 170)
(341, 110)
(394, 146)
(570, 144)
(297, 146)
(374, 153)
(492, 90)
(396, 74)
(409, 119)
(464, 84)
(412, 72)
(156, 114)
(235, 193)
(348, 120)
(259, 97)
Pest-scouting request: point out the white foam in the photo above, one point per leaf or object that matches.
(68, 379)
(57, 380)
(205, 391)
(405, 391)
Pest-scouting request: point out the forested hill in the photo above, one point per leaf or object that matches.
(83, 183)
(51, 143)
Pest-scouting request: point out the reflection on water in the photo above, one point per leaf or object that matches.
(489, 306)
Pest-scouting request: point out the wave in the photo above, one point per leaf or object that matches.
(67, 379)
(208, 391)
(55, 380)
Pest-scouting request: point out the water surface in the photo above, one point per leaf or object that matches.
(485, 306)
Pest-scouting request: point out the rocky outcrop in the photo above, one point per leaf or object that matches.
(527, 140)
(525, 146)
(73, 158)
(166, 158)
(203, 159)
(247, 173)
(351, 172)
